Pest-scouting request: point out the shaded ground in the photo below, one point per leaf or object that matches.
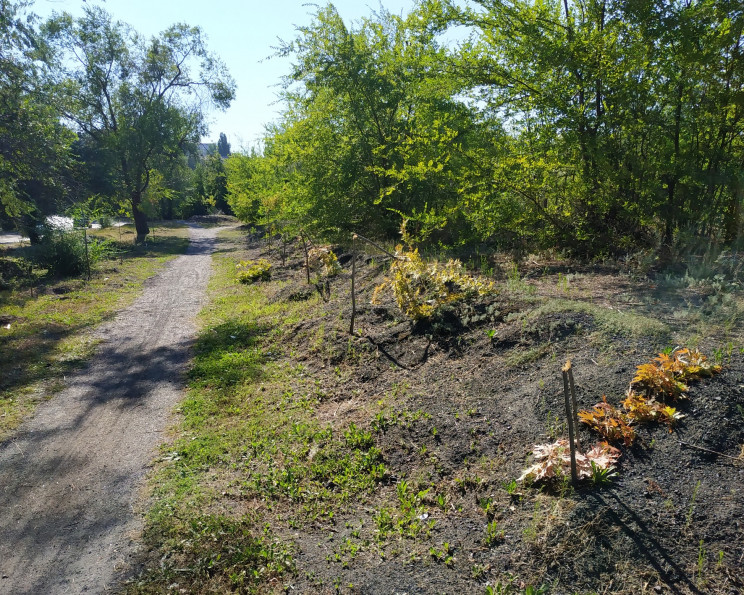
(69, 478)
(449, 412)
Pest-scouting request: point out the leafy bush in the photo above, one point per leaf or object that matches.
(250, 272)
(421, 288)
(105, 221)
(326, 258)
(13, 269)
(63, 252)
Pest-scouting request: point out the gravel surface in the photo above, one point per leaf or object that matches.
(70, 478)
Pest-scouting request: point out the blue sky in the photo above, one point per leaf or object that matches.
(242, 33)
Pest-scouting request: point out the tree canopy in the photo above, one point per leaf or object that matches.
(33, 143)
(597, 126)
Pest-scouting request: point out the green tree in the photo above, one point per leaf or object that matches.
(34, 156)
(624, 118)
(140, 101)
(372, 129)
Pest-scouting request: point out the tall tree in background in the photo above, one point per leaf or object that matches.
(371, 130)
(223, 147)
(140, 101)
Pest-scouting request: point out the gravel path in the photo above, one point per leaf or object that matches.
(71, 477)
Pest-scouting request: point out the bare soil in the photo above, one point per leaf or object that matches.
(70, 477)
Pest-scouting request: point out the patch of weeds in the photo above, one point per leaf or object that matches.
(509, 586)
(516, 359)
(611, 322)
(494, 535)
(443, 554)
(217, 554)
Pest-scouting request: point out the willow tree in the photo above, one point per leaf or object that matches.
(139, 100)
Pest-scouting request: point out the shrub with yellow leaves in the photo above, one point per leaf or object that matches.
(420, 288)
(322, 256)
(250, 271)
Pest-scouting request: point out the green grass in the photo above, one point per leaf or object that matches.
(50, 320)
(610, 321)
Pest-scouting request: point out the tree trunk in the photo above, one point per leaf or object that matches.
(140, 219)
(732, 219)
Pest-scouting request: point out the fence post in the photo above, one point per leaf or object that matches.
(570, 416)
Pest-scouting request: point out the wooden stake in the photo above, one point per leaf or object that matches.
(575, 406)
(307, 256)
(570, 418)
(353, 281)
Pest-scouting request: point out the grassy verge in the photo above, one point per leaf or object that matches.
(46, 321)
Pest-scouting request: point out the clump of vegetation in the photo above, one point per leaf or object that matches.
(252, 271)
(326, 258)
(13, 270)
(667, 374)
(421, 288)
(66, 253)
(664, 377)
(553, 462)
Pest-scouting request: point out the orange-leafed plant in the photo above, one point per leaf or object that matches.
(668, 374)
(659, 379)
(639, 408)
(611, 423)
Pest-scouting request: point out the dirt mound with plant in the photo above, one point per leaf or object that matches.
(388, 459)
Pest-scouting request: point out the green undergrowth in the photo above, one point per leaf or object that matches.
(46, 322)
(609, 321)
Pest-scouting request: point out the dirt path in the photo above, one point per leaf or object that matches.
(69, 480)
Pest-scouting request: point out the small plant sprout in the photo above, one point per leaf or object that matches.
(600, 476)
(511, 487)
(493, 534)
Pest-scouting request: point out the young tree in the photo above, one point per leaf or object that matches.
(139, 100)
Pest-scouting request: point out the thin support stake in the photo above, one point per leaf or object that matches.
(570, 418)
(353, 281)
(307, 256)
(575, 407)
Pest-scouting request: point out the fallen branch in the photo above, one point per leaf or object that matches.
(708, 450)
